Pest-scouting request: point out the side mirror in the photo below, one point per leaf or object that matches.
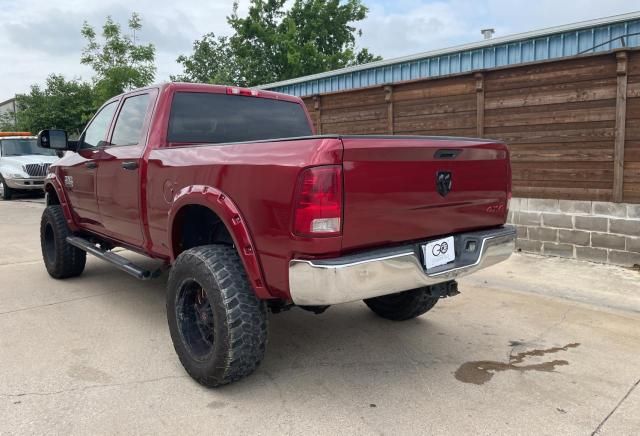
(54, 139)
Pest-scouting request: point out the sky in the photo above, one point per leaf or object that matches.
(41, 37)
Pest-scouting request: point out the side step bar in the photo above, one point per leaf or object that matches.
(119, 262)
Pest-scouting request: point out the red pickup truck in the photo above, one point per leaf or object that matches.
(230, 188)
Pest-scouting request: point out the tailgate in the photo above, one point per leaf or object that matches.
(391, 188)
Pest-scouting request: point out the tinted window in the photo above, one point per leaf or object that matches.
(97, 130)
(216, 118)
(128, 129)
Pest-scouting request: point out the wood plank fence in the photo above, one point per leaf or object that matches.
(573, 125)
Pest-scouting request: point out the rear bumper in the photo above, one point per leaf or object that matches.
(387, 271)
(26, 183)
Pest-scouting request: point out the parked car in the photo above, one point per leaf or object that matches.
(230, 188)
(23, 165)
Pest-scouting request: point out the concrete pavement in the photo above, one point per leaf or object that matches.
(532, 346)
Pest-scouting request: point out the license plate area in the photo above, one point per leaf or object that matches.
(439, 252)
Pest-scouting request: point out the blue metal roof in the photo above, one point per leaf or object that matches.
(552, 43)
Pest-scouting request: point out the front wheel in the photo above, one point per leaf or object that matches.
(6, 193)
(403, 305)
(218, 326)
(61, 259)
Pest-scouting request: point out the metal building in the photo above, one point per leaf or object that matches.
(592, 36)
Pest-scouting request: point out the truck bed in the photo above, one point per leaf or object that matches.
(390, 193)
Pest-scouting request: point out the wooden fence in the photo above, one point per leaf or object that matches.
(573, 125)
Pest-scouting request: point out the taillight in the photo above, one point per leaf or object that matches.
(318, 202)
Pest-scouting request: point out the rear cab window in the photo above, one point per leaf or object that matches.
(198, 117)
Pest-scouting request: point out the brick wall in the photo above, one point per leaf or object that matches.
(589, 230)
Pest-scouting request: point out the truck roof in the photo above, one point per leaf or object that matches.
(219, 89)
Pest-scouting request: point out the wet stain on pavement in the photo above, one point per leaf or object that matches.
(481, 371)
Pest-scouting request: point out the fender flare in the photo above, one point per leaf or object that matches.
(52, 182)
(220, 204)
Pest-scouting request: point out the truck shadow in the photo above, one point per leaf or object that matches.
(347, 342)
(350, 335)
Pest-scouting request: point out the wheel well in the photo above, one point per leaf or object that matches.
(196, 225)
(51, 196)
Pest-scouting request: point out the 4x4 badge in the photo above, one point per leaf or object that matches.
(443, 182)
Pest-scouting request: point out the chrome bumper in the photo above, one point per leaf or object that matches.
(26, 183)
(387, 271)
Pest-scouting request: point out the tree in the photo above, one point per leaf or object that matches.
(318, 36)
(63, 104)
(212, 61)
(273, 43)
(120, 64)
(8, 122)
(311, 37)
(258, 43)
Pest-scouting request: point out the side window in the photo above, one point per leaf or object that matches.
(97, 130)
(128, 129)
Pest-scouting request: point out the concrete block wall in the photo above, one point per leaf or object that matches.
(588, 230)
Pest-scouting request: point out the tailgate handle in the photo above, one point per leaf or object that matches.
(445, 153)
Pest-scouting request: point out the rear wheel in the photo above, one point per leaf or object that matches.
(6, 193)
(61, 259)
(403, 305)
(217, 324)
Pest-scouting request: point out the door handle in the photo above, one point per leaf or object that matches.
(91, 165)
(130, 165)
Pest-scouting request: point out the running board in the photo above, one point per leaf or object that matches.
(119, 262)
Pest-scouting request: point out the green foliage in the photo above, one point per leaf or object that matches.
(274, 43)
(8, 122)
(120, 64)
(319, 36)
(212, 61)
(62, 104)
(257, 43)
